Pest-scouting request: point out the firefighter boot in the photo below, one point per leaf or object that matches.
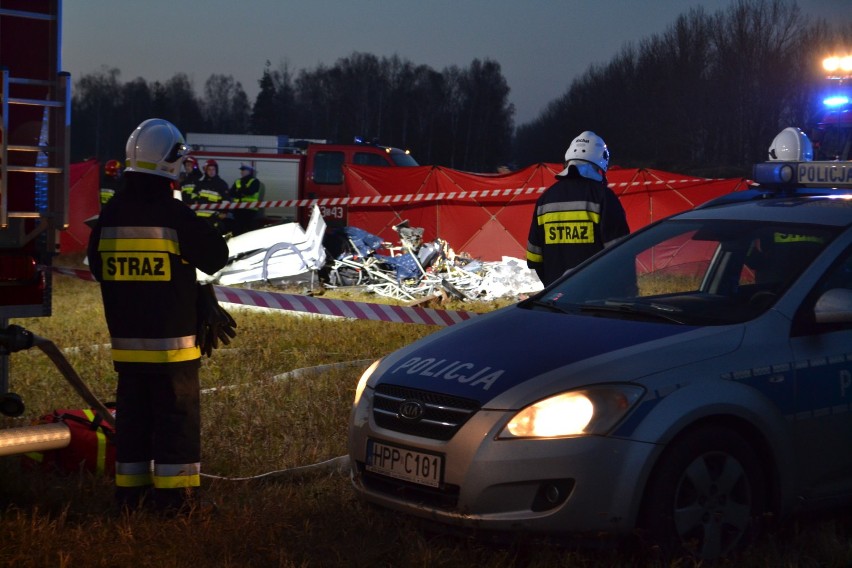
(133, 498)
(183, 502)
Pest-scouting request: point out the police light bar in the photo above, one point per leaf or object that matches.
(774, 173)
(810, 174)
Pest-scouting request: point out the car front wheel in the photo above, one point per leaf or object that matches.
(704, 496)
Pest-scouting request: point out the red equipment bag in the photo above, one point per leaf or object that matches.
(91, 447)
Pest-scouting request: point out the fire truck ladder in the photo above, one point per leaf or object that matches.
(35, 113)
(52, 161)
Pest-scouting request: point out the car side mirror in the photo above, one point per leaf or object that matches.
(834, 306)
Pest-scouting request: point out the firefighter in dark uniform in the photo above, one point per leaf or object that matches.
(211, 188)
(188, 178)
(577, 216)
(246, 189)
(144, 250)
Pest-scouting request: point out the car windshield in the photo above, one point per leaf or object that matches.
(693, 272)
(404, 159)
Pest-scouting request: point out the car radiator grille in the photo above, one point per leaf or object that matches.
(443, 415)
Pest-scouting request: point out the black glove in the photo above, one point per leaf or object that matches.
(214, 323)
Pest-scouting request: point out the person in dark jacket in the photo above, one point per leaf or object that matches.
(188, 178)
(210, 188)
(577, 216)
(144, 251)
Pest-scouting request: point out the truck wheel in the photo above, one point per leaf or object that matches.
(705, 496)
(11, 404)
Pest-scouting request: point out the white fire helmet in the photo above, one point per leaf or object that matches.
(587, 147)
(156, 147)
(791, 145)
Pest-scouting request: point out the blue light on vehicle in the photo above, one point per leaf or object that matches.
(836, 101)
(774, 172)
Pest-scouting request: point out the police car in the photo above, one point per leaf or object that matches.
(679, 385)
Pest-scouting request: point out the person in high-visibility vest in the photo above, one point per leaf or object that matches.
(211, 188)
(246, 189)
(112, 181)
(188, 177)
(144, 250)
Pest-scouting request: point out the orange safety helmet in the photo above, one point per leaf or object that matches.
(112, 168)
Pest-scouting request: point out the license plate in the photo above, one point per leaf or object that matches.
(401, 463)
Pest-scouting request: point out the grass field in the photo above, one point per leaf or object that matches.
(260, 425)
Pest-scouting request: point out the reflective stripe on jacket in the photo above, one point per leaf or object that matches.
(575, 218)
(144, 250)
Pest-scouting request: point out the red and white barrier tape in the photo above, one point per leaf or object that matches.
(419, 197)
(341, 308)
(372, 200)
(321, 306)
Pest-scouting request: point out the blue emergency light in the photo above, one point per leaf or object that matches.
(774, 173)
(836, 101)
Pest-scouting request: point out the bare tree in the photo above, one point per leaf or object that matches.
(316, 101)
(181, 106)
(94, 111)
(756, 44)
(225, 105)
(707, 95)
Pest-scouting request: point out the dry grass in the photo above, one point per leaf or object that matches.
(259, 420)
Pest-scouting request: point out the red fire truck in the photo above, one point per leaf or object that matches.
(35, 101)
(294, 169)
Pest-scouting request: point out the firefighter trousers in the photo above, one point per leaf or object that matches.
(158, 436)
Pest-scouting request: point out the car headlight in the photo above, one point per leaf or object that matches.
(362, 382)
(591, 410)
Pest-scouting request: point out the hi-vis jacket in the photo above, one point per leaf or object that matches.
(208, 190)
(109, 187)
(187, 184)
(144, 251)
(246, 189)
(575, 218)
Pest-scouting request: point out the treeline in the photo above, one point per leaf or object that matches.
(706, 96)
(458, 117)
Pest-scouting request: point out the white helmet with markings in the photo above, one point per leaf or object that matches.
(587, 148)
(791, 145)
(156, 147)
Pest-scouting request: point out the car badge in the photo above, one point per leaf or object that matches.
(411, 410)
